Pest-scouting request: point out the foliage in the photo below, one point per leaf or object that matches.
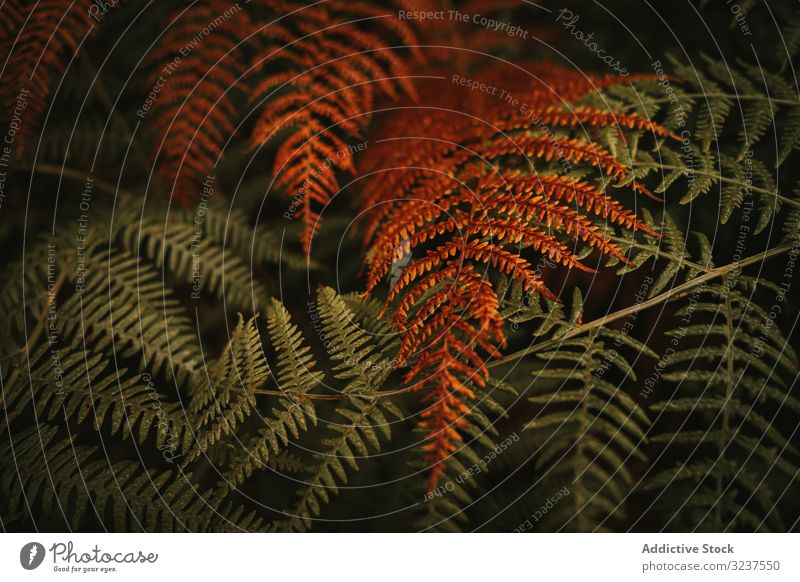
(575, 288)
(473, 199)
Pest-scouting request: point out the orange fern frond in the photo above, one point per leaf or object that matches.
(585, 116)
(586, 194)
(448, 363)
(561, 218)
(198, 64)
(334, 68)
(38, 39)
(466, 188)
(574, 150)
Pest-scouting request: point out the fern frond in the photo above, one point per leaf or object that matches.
(39, 40)
(232, 229)
(177, 246)
(228, 398)
(732, 386)
(364, 417)
(359, 430)
(335, 69)
(292, 413)
(65, 481)
(90, 139)
(67, 371)
(199, 62)
(464, 201)
(763, 100)
(591, 431)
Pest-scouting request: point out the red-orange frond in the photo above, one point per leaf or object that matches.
(448, 365)
(412, 176)
(515, 232)
(584, 116)
(560, 217)
(39, 40)
(572, 150)
(584, 193)
(422, 286)
(197, 66)
(466, 188)
(336, 68)
(509, 263)
(419, 267)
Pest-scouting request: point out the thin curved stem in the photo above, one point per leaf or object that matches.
(67, 172)
(781, 197)
(382, 394)
(740, 97)
(653, 301)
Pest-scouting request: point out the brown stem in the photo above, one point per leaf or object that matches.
(576, 331)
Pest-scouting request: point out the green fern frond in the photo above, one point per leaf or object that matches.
(292, 413)
(229, 396)
(365, 418)
(294, 362)
(359, 363)
(355, 435)
(590, 430)
(733, 378)
(46, 475)
(757, 98)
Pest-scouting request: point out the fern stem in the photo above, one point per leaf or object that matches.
(735, 97)
(726, 412)
(299, 396)
(658, 299)
(721, 178)
(66, 172)
(376, 395)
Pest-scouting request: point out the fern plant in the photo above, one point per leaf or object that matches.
(568, 304)
(594, 431)
(473, 200)
(735, 384)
